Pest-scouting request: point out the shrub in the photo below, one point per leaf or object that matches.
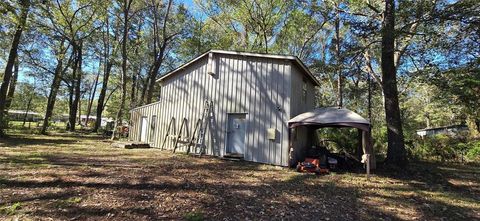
(445, 147)
(473, 152)
(10, 210)
(194, 216)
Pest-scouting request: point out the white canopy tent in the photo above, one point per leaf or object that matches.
(337, 117)
(330, 116)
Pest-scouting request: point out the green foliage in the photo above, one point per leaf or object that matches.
(194, 216)
(68, 202)
(11, 210)
(247, 25)
(460, 86)
(439, 146)
(473, 152)
(445, 147)
(343, 138)
(74, 200)
(437, 46)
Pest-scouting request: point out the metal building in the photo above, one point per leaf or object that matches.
(248, 99)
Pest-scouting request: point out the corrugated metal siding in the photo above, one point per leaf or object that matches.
(300, 105)
(259, 87)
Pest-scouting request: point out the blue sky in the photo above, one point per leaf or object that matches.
(190, 4)
(192, 8)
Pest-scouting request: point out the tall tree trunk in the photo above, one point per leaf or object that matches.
(27, 109)
(25, 4)
(52, 96)
(154, 72)
(133, 101)
(92, 93)
(11, 87)
(477, 124)
(265, 39)
(369, 99)
(338, 68)
(101, 97)
(159, 58)
(80, 111)
(396, 154)
(76, 84)
(144, 90)
(71, 92)
(72, 110)
(106, 75)
(118, 120)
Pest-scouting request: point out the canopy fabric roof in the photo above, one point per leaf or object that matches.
(330, 117)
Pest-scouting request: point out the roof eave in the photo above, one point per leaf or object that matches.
(286, 57)
(182, 67)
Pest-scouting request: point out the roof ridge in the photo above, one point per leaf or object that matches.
(272, 56)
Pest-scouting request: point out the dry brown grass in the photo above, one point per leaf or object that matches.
(80, 177)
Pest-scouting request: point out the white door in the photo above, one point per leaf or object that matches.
(236, 134)
(143, 129)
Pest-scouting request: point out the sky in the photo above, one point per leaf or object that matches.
(190, 4)
(193, 8)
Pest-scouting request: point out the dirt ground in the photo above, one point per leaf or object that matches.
(80, 177)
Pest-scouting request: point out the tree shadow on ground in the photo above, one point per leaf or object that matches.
(150, 185)
(24, 141)
(429, 188)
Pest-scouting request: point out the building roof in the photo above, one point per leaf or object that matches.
(295, 60)
(22, 112)
(444, 127)
(95, 117)
(330, 116)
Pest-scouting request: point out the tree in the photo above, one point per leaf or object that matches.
(92, 92)
(250, 25)
(22, 19)
(166, 30)
(78, 25)
(460, 86)
(125, 5)
(58, 74)
(48, 58)
(71, 23)
(338, 58)
(161, 39)
(12, 85)
(396, 154)
(110, 48)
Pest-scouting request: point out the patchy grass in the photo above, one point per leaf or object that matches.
(194, 216)
(11, 209)
(80, 177)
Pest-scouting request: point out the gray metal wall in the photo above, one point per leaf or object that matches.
(262, 88)
(300, 104)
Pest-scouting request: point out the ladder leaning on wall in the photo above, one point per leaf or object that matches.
(198, 140)
(172, 123)
(177, 138)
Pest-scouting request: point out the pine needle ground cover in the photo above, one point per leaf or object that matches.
(81, 177)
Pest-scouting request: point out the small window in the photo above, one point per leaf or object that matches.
(304, 90)
(153, 124)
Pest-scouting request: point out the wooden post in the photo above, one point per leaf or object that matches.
(361, 144)
(366, 161)
(368, 166)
